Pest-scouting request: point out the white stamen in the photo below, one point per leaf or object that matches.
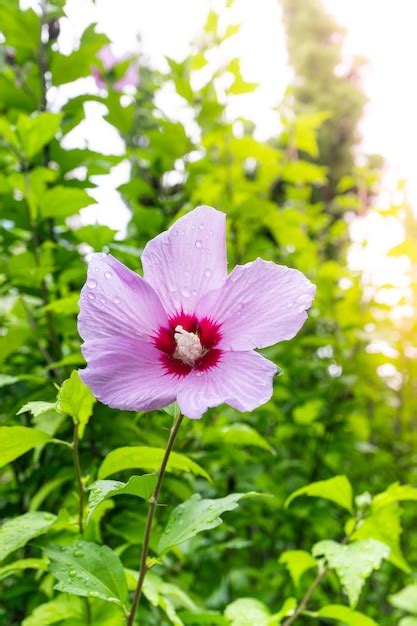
(189, 347)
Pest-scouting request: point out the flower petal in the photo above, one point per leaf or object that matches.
(188, 260)
(116, 302)
(260, 304)
(242, 379)
(126, 373)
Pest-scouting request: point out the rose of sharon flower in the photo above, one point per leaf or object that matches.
(109, 61)
(187, 331)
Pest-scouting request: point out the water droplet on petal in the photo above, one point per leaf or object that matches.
(116, 300)
(92, 283)
(211, 232)
(198, 243)
(91, 296)
(199, 374)
(207, 273)
(201, 226)
(175, 232)
(107, 275)
(185, 292)
(172, 288)
(102, 299)
(166, 241)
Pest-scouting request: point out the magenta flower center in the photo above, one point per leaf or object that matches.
(188, 343)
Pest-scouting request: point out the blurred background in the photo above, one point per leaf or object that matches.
(296, 118)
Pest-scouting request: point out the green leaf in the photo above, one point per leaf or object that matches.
(61, 202)
(16, 440)
(22, 565)
(345, 615)
(384, 524)
(337, 489)
(96, 236)
(196, 515)
(75, 399)
(308, 412)
(37, 132)
(394, 493)
(172, 409)
(60, 608)
(237, 434)
(141, 486)
(21, 29)
(406, 599)
(79, 63)
(353, 563)
(16, 532)
(36, 408)
(297, 562)
(147, 458)
(408, 621)
(86, 569)
(247, 612)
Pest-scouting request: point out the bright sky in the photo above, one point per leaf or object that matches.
(383, 31)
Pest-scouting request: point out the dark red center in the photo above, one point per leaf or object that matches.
(208, 333)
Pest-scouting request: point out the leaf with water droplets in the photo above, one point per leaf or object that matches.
(195, 515)
(141, 486)
(353, 563)
(87, 569)
(16, 532)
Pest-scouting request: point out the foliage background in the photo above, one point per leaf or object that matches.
(289, 200)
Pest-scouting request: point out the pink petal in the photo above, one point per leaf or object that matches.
(116, 302)
(127, 374)
(187, 260)
(130, 78)
(98, 77)
(107, 57)
(242, 379)
(260, 304)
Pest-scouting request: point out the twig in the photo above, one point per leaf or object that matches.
(149, 519)
(78, 476)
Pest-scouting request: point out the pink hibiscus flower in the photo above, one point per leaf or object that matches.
(109, 60)
(187, 331)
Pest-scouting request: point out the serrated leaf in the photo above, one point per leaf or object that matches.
(297, 562)
(406, 599)
(353, 563)
(61, 202)
(17, 531)
(141, 486)
(337, 489)
(345, 615)
(87, 569)
(147, 458)
(75, 399)
(196, 515)
(16, 440)
(247, 612)
(36, 132)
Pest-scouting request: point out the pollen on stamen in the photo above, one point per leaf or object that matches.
(188, 346)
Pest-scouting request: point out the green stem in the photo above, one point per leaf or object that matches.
(149, 519)
(78, 476)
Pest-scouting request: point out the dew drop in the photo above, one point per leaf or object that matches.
(207, 273)
(199, 374)
(172, 288)
(116, 300)
(78, 553)
(107, 275)
(102, 299)
(211, 232)
(175, 232)
(92, 283)
(185, 292)
(198, 244)
(201, 226)
(91, 296)
(166, 241)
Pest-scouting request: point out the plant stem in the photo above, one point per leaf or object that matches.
(304, 602)
(80, 486)
(149, 519)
